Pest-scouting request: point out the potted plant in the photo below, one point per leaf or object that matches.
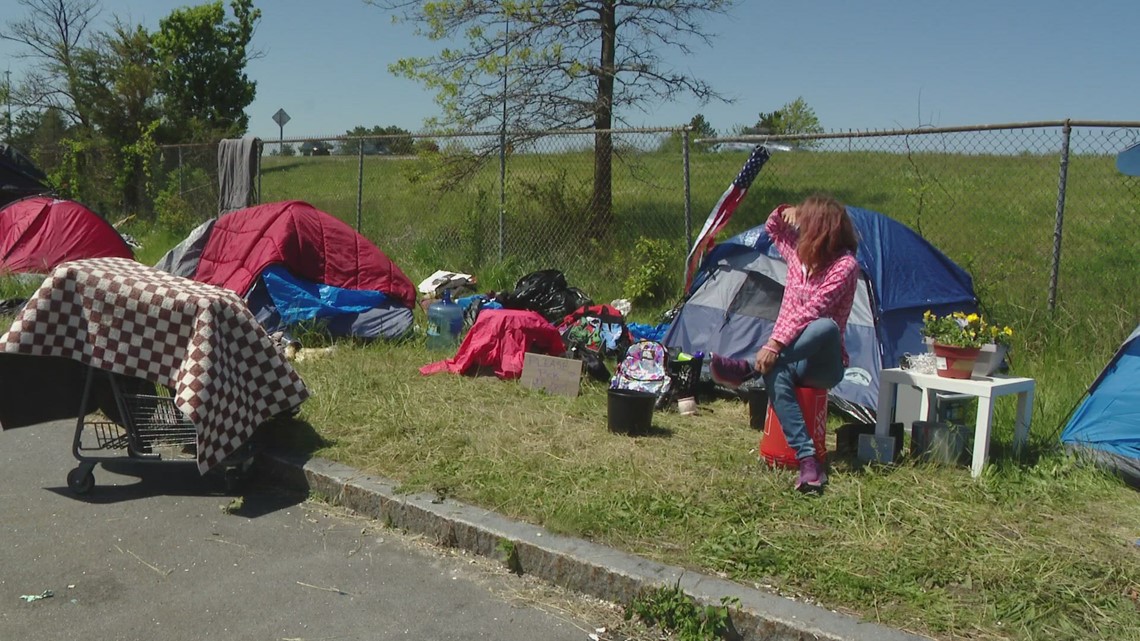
(994, 353)
(958, 338)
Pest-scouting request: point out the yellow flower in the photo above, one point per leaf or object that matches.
(927, 315)
(972, 318)
(1008, 331)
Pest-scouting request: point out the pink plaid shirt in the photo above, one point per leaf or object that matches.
(828, 293)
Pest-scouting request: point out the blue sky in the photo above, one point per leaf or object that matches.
(871, 64)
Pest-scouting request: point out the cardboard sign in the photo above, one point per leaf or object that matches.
(555, 375)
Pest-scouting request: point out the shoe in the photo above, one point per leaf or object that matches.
(730, 372)
(811, 478)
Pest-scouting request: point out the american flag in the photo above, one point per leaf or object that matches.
(720, 214)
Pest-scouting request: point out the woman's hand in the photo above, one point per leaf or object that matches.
(789, 214)
(765, 359)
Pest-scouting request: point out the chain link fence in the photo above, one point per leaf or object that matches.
(1029, 207)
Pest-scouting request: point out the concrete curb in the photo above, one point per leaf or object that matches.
(575, 564)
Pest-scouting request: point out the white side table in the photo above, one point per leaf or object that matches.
(986, 388)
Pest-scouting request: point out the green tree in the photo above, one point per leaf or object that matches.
(201, 59)
(391, 140)
(698, 128)
(38, 133)
(554, 65)
(117, 83)
(796, 117)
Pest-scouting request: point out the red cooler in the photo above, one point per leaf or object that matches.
(774, 448)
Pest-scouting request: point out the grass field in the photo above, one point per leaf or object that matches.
(1038, 548)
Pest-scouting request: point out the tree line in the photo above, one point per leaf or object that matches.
(95, 103)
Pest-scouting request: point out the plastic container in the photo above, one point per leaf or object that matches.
(445, 324)
(774, 447)
(685, 370)
(630, 411)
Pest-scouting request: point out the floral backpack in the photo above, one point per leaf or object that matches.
(600, 329)
(645, 368)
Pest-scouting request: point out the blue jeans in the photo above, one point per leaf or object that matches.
(813, 359)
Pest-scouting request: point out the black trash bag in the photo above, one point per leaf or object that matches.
(546, 292)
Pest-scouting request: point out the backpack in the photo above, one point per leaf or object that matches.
(600, 329)
(645, 368)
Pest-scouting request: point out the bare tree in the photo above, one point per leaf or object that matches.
(557, 64)
(52, 33)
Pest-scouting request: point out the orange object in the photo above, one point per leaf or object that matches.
(774, 447)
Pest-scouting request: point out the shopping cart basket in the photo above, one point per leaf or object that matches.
(137, 421)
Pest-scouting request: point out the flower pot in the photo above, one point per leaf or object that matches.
(955, 362)
(990, 359)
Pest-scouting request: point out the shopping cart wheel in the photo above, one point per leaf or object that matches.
(80, 480)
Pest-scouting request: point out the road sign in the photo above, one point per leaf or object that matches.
(280, 117)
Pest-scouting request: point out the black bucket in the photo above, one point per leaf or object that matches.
(630, 411)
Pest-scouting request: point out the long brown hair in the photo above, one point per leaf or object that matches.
(826, 232)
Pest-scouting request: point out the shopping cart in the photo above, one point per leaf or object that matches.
(134, 420)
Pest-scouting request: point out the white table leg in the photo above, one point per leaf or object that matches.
(928, 404)
(982, 434)
(886, 407)
(1024, 416)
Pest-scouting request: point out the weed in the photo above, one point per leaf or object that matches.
(508, 554)
(649, 281)
(669, 608)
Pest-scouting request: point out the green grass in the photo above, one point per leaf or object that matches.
(1035, 549)
(1038, 548)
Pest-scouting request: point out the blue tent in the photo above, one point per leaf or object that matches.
(735, 298)
(1107, 422)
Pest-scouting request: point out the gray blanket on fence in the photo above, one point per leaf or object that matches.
(237, 171)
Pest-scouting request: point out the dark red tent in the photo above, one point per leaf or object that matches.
(38, 233)
(313, 245)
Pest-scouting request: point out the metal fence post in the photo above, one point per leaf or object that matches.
(1066, 130)
(360, 187)
(689, 200)
(502, 186)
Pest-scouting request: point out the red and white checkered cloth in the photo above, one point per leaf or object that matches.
(201, 341)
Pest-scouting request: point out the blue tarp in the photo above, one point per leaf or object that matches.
(301, 300)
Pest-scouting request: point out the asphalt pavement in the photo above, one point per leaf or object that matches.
(159, 552)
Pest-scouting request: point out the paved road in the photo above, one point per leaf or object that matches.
(152, 554)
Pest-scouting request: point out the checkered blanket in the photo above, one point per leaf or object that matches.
(200, 341)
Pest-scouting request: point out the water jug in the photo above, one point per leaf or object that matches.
(445, 324)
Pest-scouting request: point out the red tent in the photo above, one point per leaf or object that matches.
(38, 233)
(313, 245)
